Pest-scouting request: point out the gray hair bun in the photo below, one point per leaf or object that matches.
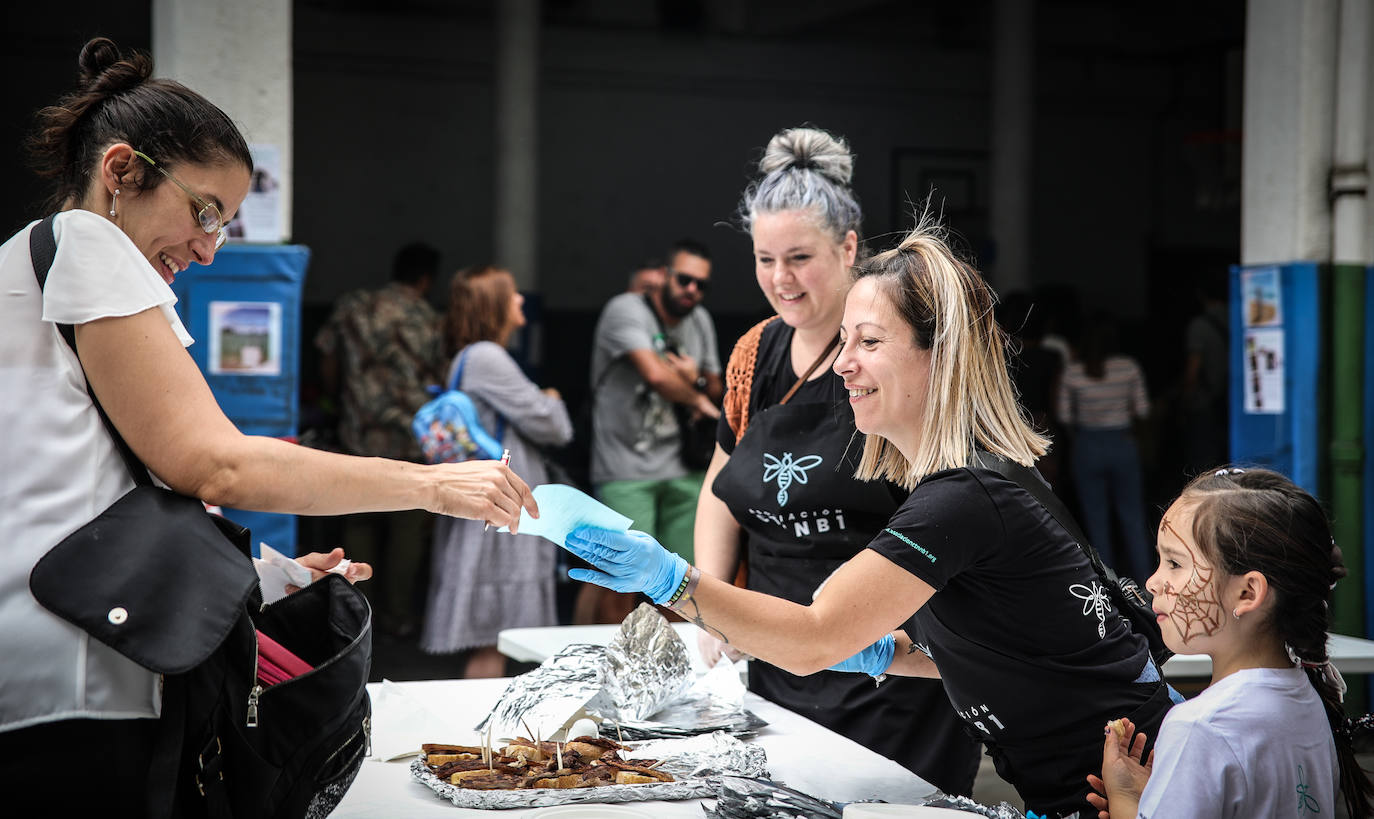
(809, 149)
(805, 169)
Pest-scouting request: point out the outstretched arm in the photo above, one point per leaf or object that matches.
(160, 403)
(865, 599)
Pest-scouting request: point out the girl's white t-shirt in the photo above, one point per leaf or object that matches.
(59, 467)
(1257, 743)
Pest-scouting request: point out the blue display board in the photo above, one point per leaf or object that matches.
(244, 311)
(1276, 353)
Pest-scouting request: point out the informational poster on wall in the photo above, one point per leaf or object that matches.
(245, 338)
(259, 217)
(1262, 302)
(1264, 371)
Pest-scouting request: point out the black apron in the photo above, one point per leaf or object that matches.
(789, 483)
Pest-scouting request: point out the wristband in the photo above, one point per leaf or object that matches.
(685, 589)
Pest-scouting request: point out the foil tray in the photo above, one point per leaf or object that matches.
(697, 762)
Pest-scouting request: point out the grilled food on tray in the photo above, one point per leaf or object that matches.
(586, 762)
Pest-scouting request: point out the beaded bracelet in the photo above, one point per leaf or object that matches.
(685, 589)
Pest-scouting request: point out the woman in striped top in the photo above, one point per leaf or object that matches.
(1099, 395)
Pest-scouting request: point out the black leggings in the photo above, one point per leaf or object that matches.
(80, 766)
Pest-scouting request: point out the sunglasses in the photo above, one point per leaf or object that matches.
(685, 281)
(211, 220)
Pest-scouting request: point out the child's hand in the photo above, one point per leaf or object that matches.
(1123, 773)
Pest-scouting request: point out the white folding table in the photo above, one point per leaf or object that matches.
(801, 753)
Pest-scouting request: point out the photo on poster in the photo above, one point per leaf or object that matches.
(1261, 301)
(259, 217)
(1264, 372)
(245, 338)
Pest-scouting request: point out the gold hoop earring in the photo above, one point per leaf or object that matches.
(114, 199)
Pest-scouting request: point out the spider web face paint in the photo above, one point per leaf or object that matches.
(1197, 606)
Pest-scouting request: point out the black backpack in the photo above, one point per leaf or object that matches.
(173, 588)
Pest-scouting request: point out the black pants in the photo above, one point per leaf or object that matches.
(79, 766)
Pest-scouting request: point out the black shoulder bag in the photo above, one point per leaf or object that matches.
(698, 434)
(1131, 600)
(173, 588)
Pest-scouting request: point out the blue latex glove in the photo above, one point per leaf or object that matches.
(873, 661)
(628, 562)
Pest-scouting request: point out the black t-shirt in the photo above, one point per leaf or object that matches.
(1025, 636)
(774, 376)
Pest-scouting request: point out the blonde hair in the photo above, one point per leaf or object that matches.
(971, 401)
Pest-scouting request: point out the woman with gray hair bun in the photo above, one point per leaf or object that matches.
(786, 418)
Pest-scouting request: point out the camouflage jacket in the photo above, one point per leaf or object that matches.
(389, 348)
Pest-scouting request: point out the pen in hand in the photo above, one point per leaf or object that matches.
(505, 461)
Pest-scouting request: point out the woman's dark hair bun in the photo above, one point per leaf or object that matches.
(104, 70)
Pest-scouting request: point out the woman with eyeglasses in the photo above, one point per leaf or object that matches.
(146, 172)
(786, 422)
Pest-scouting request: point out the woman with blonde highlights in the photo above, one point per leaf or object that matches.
(806, 519)
(971, 580)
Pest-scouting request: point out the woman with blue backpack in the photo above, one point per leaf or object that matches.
(482, 580)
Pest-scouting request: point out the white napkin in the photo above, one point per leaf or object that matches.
(275, 571)
(401, 724)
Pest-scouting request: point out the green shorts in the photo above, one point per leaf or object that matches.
(666, 509)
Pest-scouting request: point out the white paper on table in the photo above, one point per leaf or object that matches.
(722, 682)
(562, 509)
(401, 724)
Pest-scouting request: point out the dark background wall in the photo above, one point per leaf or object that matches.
(651, 115)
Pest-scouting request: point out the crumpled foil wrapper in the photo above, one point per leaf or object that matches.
(644, 668)
(692, 760)
(742, 797)
(689, 716)
(704, 755)
(543, 700)
(647, 665)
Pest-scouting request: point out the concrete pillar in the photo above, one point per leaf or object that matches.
(1013, 126)
(1290, 87)
(1352, 241)
(517, 144)
(239, 56)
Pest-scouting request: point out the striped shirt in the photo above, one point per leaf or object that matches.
(1109, 402)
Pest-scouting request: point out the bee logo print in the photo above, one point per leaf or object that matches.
(787, 471)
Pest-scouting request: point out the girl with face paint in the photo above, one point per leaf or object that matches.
(1246, 567)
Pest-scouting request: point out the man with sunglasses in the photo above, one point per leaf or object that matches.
(652, 353)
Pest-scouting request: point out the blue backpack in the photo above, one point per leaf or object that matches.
(449, 429)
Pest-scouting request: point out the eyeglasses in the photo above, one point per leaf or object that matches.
(685, 281)
(211, 220)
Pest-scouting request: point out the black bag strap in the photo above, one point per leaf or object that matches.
(1031, 481)
(43, 250)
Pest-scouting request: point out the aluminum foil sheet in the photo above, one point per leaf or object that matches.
(544, 700)
(689, 716)
(704, 754)
(744, 798)
(647, 665)
(740, 797)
